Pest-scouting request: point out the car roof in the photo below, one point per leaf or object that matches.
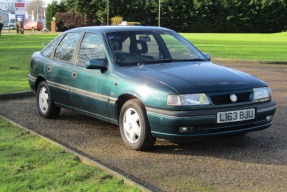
(105, 29)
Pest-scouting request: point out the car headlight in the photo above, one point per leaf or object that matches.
(261, 94)
(188, 99)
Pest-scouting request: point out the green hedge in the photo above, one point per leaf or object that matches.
(256, 16)
(224, 16)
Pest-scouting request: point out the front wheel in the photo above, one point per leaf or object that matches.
(134, 126)
(46, 106)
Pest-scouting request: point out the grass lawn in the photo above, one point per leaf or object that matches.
(262, 47)
(16, 50)
(30, 163)
(15, 54)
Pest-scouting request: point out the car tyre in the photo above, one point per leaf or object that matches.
(134, 126)
(46, 106)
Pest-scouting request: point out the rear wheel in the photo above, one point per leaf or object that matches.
(46, 106)
(134, 126)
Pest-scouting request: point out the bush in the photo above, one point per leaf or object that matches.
(116, 20)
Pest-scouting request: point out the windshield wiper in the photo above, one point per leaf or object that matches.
(156, 61)
(161, 61)
(166, 60)
(183, 60)
(147, 62)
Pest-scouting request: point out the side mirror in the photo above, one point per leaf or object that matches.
(96, 64)
(207, 56)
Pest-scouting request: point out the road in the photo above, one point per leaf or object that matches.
(253, 162)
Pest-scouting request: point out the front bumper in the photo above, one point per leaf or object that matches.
(202, 123)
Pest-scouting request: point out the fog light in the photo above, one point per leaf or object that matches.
(186, 129)
(269, 118)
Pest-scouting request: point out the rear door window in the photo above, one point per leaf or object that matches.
(67, 46)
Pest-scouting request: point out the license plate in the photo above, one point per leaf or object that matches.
(233, 116)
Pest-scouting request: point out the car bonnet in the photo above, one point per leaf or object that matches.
(193, 77)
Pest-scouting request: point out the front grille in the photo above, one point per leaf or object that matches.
(225, 98)
(230, 126)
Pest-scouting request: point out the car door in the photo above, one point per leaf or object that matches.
(58, 70)
(89, 87)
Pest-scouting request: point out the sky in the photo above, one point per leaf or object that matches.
(48, 1)
(13, 1)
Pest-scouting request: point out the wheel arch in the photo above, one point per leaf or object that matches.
(38, 81)
(122, 100)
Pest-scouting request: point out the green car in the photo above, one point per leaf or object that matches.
(150, 81)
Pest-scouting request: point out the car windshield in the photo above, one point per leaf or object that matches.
(148, 47)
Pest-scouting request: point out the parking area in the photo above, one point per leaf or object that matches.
(252, 162)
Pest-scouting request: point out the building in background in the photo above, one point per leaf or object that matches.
(4, 18)
(8, 19)
(7, 11)
(7, 5)
(7, 16)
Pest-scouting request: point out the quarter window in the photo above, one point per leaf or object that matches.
(92, 47)
(66, 48)
(47, 51)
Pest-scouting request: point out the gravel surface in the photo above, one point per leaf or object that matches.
(254, 162)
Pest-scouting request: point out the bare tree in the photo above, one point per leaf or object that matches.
(36, 10)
